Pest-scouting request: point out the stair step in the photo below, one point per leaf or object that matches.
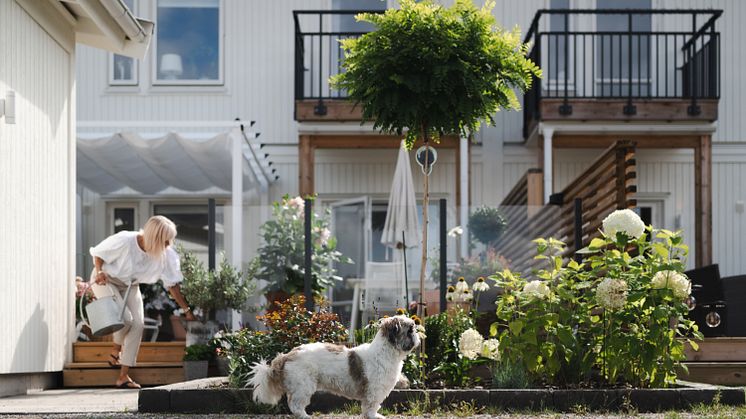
(93, 365)
(720, 373)
(86, 375)
(149, 351)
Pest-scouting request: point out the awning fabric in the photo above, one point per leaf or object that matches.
(402, 216)
(151, 165)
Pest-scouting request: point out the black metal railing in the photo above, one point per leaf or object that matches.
(318, 53)
(631, 63)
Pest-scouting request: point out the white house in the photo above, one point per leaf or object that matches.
(38, 180)
(260, 61)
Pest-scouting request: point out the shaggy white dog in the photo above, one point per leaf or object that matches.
(367, 372)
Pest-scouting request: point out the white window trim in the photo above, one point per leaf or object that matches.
(136, 62)
(155, 81)
(111, 206)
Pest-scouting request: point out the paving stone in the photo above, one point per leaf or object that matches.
(480, 398)
(587, 399)
(203, 401)
(725, 396)
(654, 399)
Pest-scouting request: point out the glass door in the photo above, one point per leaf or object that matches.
(351, 228)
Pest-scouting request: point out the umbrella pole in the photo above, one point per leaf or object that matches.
(406, 279)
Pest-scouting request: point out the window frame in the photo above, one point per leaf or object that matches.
(135, 68)
(155, 81)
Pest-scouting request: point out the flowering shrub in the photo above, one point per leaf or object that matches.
(617, 317)
(288, 326)
(281, 259)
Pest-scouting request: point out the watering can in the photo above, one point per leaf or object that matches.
(105, 314)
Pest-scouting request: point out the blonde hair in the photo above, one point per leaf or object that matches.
(156, 232)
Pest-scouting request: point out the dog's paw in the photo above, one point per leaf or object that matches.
(402, 382)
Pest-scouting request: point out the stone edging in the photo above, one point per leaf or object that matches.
(210, 396)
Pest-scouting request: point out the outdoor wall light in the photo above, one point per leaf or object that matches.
(8, 107)
(432, 157)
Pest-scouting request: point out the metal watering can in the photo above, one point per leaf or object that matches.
(105, 316)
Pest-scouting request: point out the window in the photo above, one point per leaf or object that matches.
(123, 70)
(558, 44)
(188, 45)
(123, 219)
(191, 227)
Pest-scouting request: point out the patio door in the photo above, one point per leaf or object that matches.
(351, 227)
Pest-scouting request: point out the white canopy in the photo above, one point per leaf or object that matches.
(150, 165)
(402, 210)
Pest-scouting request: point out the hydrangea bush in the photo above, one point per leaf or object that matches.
(618, 317)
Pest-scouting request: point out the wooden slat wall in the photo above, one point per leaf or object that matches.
(36, 189)
(608, 184)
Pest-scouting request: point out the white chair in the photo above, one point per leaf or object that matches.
(383, 290)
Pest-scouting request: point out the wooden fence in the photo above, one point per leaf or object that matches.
(573, 215)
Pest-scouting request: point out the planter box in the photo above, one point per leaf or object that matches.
(194, 370)
(212, 396)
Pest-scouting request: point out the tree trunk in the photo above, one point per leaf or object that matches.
(425, 201)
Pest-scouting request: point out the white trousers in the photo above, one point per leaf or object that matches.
(130, 336)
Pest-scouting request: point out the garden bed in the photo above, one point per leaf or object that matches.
(212, 395)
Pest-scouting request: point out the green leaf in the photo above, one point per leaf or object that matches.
(597, 243)
(516, 327)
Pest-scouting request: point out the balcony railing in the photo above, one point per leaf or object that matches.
(636, 63)
(318, 53)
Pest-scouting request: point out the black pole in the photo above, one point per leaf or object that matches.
(406, 277)
(578, 228)
(307, 291)
(443, 256)
(211, 248)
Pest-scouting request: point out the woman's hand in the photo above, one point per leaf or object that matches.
(101, 277)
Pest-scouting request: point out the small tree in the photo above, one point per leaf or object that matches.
(431, 71)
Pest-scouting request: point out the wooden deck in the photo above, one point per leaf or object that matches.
(158, 363)
(718, 361)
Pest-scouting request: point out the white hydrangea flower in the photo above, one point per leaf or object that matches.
(461, 285)
(536, 289)
(470, 343)
(677, 282)
(490, 349)
(625, 221)
(480, 285)
(611, 293)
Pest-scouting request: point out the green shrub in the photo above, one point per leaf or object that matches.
(616, 318)
(198, 352)
(487, 224)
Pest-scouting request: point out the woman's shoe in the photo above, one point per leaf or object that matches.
(129, 384)
(113, 361)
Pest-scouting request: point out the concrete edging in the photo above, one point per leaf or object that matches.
(211, 396)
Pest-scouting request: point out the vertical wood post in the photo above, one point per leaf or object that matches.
(305, 166)
(535, 191)
(703, 201)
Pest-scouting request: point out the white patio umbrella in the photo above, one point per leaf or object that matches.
(402, 226)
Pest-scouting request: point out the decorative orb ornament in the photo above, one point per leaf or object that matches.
(691, 302)
(712, 319)
(432, 157)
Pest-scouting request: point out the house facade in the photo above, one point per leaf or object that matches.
(607, 77)
(38, 182)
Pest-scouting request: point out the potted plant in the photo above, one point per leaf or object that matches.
(196, 358)
(281, 259)
(157, 303)
(209, 291)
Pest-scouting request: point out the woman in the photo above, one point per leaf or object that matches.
(137, 257)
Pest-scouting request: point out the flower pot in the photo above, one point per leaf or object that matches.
(199, 332)
(194, 370)
(177, 326)
(222, 365)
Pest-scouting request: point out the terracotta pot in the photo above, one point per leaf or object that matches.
(177, 326)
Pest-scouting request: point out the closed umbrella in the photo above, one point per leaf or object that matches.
(402, 226)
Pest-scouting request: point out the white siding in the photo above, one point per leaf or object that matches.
(35, 172)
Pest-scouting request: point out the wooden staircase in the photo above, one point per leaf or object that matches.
(719, 361)
(158, 363)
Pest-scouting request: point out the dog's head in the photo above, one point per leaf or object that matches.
(400, 332)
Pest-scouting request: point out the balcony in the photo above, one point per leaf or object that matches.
(610, 65)
(318, 56)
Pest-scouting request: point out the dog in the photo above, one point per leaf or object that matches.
(366, 373)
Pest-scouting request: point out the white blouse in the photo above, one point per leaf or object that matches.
(124, 259)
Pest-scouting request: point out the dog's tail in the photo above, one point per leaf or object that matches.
(267, 383)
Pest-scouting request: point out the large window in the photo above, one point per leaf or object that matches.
(188, 45)
(123, 70)
(191, 226)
